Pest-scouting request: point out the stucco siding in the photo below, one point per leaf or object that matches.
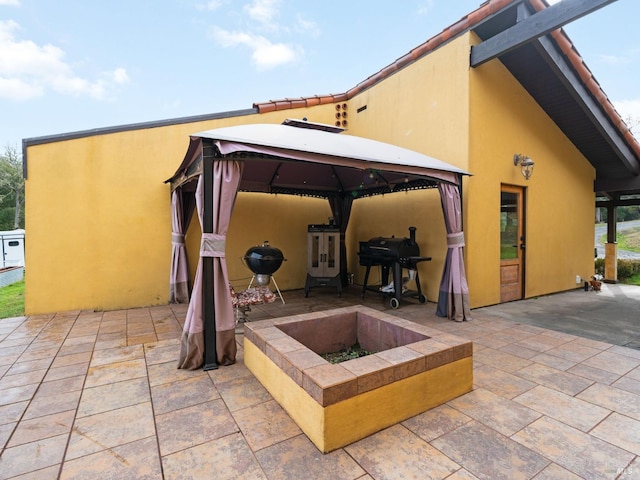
(98, 216)
(423, 107)
(505, 120)
(98, 212)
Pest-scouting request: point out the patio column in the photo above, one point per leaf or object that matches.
(611, 247)
(611, 262)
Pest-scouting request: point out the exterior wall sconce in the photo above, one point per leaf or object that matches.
(526, 165)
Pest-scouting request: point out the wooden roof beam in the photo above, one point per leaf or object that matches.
(611, 186)
(531, 27)
(592, 107)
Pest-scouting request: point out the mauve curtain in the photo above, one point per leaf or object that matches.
(341, 208)
(226, 179)
(179, 274)
(453, 297)
(192, 342)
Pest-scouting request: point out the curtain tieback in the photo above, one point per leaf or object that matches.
(177, 238)
(455, 240)
(212, 245)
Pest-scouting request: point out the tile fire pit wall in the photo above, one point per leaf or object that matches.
(415, 368)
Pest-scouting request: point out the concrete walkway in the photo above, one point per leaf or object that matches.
(611, 315)
(97, 395)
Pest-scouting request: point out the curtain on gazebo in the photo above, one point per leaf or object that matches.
(226, 177)
(309, 160)
(179, 275)
(453, 298)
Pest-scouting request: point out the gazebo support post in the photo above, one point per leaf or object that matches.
(208, 300)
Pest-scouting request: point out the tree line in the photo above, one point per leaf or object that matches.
(11, 189)
(623, 214)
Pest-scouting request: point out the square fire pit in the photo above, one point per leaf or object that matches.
(414, 368)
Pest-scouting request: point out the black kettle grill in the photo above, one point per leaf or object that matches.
(263, 260)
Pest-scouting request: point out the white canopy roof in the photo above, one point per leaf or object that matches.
(311, 160)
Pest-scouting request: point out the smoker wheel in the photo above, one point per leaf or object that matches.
(395, 303)
(422, 298)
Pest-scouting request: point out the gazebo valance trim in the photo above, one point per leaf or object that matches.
(286, 159)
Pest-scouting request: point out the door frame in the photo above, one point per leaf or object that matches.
(515, 268)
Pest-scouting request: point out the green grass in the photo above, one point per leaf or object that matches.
(634, 280)
(12, 300)
(627, 240)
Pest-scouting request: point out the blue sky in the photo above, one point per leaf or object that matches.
(71, 65)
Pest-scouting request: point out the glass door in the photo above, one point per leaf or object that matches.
(512, 244)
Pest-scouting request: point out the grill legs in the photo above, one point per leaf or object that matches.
(398, 290)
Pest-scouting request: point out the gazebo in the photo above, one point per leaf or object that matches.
(300, 158)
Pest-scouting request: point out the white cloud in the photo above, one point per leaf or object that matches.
(265, 54)
(269, 55)
(259, 20)
(263, 11)
(120, 76)
(307, 26)
(28, 70)
(16, 89)
(12, 3)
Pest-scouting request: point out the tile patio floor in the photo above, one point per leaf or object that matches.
(97, 395)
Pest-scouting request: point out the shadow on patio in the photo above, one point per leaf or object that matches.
(97, 395)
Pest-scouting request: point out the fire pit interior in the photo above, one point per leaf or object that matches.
(415, 368)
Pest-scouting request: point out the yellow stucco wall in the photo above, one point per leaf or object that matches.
(284, 219)
(98, 212)
(281, 219)
(98, 216)
(505, 120)
(477, 119)
(424, 108)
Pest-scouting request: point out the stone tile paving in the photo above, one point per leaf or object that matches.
(97, 395)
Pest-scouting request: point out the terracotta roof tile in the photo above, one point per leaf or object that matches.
(475, 16)
(590, 82)
(313, 101)
(462, 24)
(494, 6)
(485, 10)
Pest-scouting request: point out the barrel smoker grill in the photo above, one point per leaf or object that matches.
(393, 254)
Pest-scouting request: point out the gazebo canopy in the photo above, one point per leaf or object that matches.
(300, 158)
(316, 160)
